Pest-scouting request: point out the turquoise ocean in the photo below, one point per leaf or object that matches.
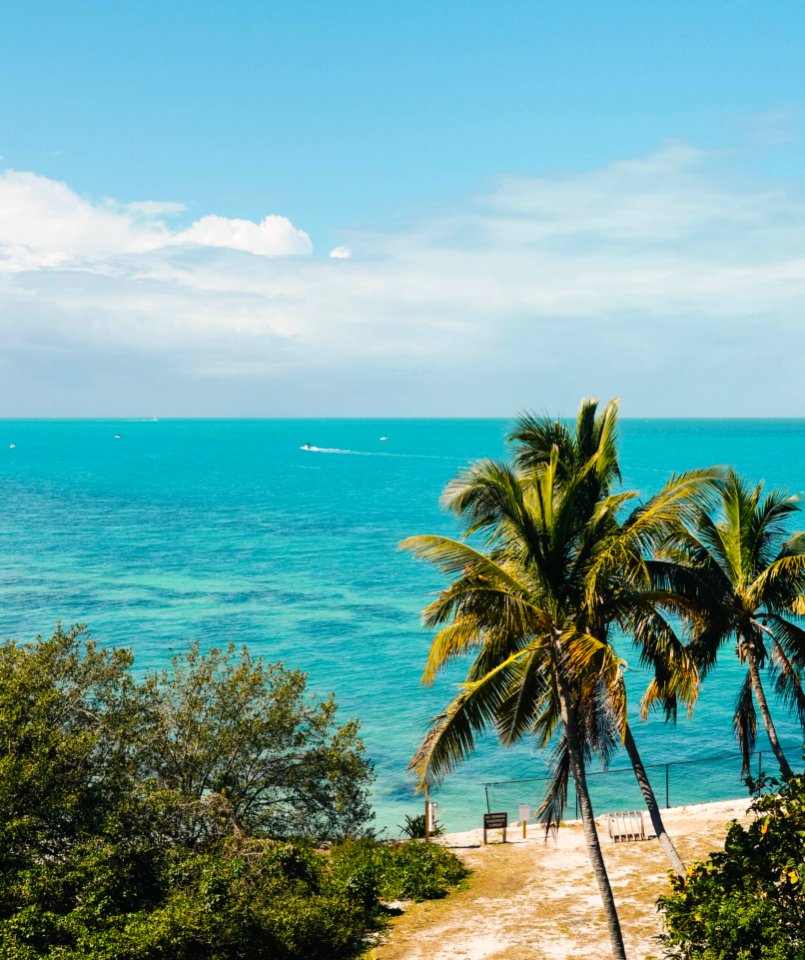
(227, 530)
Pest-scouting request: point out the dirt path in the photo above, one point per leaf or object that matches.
(537, 900)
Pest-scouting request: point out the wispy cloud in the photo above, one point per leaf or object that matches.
(535, 291)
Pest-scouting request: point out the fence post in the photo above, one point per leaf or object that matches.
(486, 791)
(667, 804)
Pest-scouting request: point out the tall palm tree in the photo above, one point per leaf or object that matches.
(534, 606)
(738, 574)
(635, 611)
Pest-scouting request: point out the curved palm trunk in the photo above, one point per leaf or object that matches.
(652, 806)
(765, 713)
(588, 823)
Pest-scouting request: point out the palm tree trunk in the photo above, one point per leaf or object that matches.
(588, 823)
(765, 713)
(652, 806)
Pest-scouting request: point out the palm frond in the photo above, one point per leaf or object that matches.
(551, 811)
(456, 558)
(779, 584)
(521, 707)
(745, 723)
(788, 684)
(451, 738)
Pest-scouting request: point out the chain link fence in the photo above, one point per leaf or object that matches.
(675, 784)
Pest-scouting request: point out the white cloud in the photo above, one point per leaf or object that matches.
(272, 237)
(645, 270)
(43, 223)
(341, 253)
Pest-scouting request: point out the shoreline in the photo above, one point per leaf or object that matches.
(469, 839)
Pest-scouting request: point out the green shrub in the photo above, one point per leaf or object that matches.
(400, 871)
(747, 902)
(420, 871)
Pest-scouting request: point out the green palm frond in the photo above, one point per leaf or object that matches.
(745, 723)
(788, 683)
(456, 558)
(519, 711)
(787, 634)
(551, 811)
(451, 738)
(451, 641)
(768, 525)
(779, 584)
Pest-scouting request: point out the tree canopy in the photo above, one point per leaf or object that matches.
(151, 818)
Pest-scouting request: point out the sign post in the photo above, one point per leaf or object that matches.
(496, 821)
(427, 814)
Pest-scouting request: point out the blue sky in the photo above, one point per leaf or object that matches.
(528, 202)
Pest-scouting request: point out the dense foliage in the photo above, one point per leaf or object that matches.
(747, 902)
(175, 816)
(399, 871)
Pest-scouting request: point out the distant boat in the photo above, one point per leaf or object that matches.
(306, 446)
(12, 446)
(384, 438)
(118, 436)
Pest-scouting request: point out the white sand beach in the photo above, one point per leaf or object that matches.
(536, 899)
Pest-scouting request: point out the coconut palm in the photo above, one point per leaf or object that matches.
(636, 612)
(738, 574)
(535, 606)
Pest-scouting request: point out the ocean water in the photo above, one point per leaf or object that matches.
(219, 530)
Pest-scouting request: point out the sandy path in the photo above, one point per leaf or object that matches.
(537, 900)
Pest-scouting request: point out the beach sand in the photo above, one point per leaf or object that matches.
(536, 899)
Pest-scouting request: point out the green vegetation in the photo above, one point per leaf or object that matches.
(747, 903)
(399, 871)
(176, 817)
(414, 827)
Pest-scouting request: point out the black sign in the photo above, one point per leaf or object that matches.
(496, 821)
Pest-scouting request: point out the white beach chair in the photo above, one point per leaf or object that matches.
(627, 825)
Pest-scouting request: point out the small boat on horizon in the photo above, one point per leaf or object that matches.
(118, 436)
(12, 446)
(384, 437)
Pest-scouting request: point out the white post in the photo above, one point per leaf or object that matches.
(525, 813)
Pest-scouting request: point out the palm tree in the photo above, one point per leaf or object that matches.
(740, 575)
(635, 611)
(535, 606)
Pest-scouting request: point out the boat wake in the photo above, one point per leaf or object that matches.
(309, 448)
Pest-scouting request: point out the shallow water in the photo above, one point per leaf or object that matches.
(218, 530)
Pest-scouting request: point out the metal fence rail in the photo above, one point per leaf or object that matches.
(675, 784)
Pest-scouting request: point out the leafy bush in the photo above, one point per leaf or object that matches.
(258, 900)
(420, 871)
(747, 902)
(400, 871)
